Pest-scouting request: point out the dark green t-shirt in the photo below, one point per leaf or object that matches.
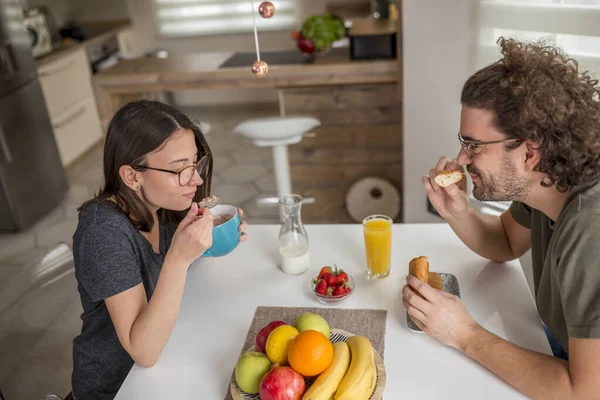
(566, 263)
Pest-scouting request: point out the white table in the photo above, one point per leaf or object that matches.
(222, 294)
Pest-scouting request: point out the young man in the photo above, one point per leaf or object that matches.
(530, 134)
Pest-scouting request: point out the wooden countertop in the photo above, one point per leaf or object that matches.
(201, 71)
(98, 31)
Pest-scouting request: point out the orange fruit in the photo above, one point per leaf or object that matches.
(310, 353)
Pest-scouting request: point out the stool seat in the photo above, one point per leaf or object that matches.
(276, 131)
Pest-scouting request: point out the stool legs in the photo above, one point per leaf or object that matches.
(282, 173)
(282, 170)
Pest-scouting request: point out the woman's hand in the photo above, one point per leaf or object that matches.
(193, 235)
(243, 226)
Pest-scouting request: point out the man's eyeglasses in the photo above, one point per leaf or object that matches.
(470, 146)
(186, 174)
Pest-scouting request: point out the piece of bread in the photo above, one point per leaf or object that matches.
(447, 178)
(435, 280)
(419, 268)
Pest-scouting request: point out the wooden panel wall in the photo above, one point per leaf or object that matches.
(360, 136)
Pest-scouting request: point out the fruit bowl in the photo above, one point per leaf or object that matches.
(337, 335)
(332, 298)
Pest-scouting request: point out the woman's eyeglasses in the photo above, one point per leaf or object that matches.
(185, 175)
(470, 146)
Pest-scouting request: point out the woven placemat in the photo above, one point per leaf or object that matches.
(364, 322)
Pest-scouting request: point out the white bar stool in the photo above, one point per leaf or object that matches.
(278, 133)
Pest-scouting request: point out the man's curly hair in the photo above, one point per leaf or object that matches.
(537, 93)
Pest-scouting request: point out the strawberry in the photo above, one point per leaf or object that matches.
(321, 287)
(341, 289)
(324, 270)
(331, 279)
(342, 277)
(329, 291)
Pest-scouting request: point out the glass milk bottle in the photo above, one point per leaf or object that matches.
(293, 239)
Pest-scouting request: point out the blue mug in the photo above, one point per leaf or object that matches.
(226, 234)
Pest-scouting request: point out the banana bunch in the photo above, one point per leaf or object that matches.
(351, 374)
(326, 384)
(359, 381)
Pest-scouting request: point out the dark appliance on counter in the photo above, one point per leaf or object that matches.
(372, 39)
(32, 179)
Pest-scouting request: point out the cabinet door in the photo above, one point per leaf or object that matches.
(65, 82)
(77, 130)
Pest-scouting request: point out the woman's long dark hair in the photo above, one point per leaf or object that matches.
(137, 129)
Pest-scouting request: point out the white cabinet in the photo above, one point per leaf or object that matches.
(77, 129)
(67, 88)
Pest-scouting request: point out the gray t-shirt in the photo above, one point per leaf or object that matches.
(566, 263)
(110, 257)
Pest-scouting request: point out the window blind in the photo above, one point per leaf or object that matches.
(177, 18)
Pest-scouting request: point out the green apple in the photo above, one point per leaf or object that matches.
(250, 369)
(308, 321)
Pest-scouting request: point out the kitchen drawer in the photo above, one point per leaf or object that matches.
(76, 130)
(65, 82)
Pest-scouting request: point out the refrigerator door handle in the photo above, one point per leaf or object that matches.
(4, 147)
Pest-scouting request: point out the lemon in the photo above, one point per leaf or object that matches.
(279, 342)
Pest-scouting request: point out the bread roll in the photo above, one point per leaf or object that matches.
(419, 268)
(435, 280)
(447, 178)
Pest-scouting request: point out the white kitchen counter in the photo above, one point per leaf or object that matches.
(222, 294)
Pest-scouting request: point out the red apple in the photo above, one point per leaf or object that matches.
(306, 46)
(282, 383)
(261, 337)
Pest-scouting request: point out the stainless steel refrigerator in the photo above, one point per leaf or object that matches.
(32, 179)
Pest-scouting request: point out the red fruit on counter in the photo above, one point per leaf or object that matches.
(306, 46)
(282, 383)
(324, 270)
(261, 337)
(331, 279)
(321, 287)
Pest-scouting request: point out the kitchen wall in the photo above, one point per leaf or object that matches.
(93, 10)
(439, 38)
(61, 9)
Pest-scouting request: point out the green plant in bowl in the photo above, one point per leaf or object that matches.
(322, 30)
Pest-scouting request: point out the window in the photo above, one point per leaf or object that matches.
(572, 25)
(176, 18)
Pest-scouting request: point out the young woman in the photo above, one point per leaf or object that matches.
(135, 241)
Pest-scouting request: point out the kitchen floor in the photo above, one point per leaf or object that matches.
(39, 304)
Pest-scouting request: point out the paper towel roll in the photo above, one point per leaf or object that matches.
(370, 196)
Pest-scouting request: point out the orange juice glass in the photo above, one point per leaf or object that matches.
(378, 245)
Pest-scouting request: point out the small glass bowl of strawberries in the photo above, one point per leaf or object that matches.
(332, 285)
